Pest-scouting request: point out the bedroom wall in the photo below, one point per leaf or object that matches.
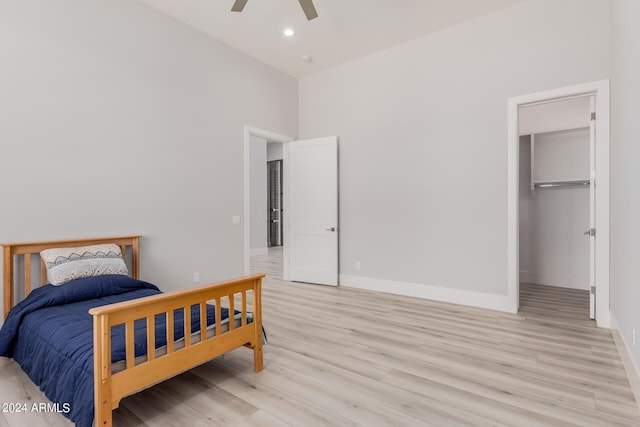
(625, 174)
(116, 119)
(423, 143)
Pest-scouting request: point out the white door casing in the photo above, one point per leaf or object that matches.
(592, 209)
(601, 91)
(311, 211)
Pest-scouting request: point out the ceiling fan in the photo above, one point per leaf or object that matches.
(307, 7)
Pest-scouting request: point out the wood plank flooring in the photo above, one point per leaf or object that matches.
(347, 357)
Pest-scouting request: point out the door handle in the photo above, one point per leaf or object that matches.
(590, 232)
(332, 229)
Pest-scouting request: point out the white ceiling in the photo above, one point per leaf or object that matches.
(345, 29)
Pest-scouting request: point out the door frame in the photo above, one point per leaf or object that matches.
(250, 131)
(601, 90)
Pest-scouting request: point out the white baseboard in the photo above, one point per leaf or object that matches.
(259, 251)
(454, 296)
(630, 367)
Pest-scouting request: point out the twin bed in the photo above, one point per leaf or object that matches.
(101, 334)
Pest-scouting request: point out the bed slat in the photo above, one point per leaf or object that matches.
(151, 337)
(43, 273)
(244, 308)
(170, 332)
(187, 326)
(27, 274)
(129, 346)
(218, 317)
(7, 279)
(203, 321)
(232, 312)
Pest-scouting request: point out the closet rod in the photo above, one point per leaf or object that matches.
(552, 184)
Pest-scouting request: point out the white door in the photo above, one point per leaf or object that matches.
(311, 206)
(592, 211)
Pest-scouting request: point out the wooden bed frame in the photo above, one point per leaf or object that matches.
(110, 388)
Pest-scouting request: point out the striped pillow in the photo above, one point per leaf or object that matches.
(66, 264)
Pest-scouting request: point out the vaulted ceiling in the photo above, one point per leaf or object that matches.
(345, 29)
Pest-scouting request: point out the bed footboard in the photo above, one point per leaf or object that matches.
(242, 294)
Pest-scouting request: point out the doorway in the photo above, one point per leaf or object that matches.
(554, 206)
(600, 158)
(309, 204)
(256, 209)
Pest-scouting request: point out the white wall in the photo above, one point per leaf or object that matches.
(423, 142)
(117, 119)
(258, 202)
(625, 173)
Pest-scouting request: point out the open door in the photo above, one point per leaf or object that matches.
(591, 232)
(311, 206)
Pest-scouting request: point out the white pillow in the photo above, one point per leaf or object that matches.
(66, 264)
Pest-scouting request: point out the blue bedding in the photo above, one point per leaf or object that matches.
(50, 334)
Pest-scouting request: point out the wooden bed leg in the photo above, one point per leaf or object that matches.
(103, 418)
(102, 371)
(257, 356)
(257, 348)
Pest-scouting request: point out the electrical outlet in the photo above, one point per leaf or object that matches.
(633, 336)
(235, 219)
(358, 266)
(196, 277)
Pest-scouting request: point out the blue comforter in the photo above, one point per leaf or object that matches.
(50, 334)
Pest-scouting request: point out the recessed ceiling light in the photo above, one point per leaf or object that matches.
(289, 32)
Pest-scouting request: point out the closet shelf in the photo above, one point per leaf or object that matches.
(553, 184)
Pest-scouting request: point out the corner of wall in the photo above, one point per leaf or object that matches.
(630, 367)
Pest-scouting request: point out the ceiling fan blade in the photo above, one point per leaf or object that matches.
(238, 5)
(309, 9)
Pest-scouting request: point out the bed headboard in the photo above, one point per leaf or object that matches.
(20, 254)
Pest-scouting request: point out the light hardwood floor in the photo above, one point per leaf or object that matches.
(347, 357)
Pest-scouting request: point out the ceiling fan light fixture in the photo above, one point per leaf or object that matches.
(307, 7)
(238, 5)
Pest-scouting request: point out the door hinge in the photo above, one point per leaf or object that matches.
(593, 290)
(593, 116)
